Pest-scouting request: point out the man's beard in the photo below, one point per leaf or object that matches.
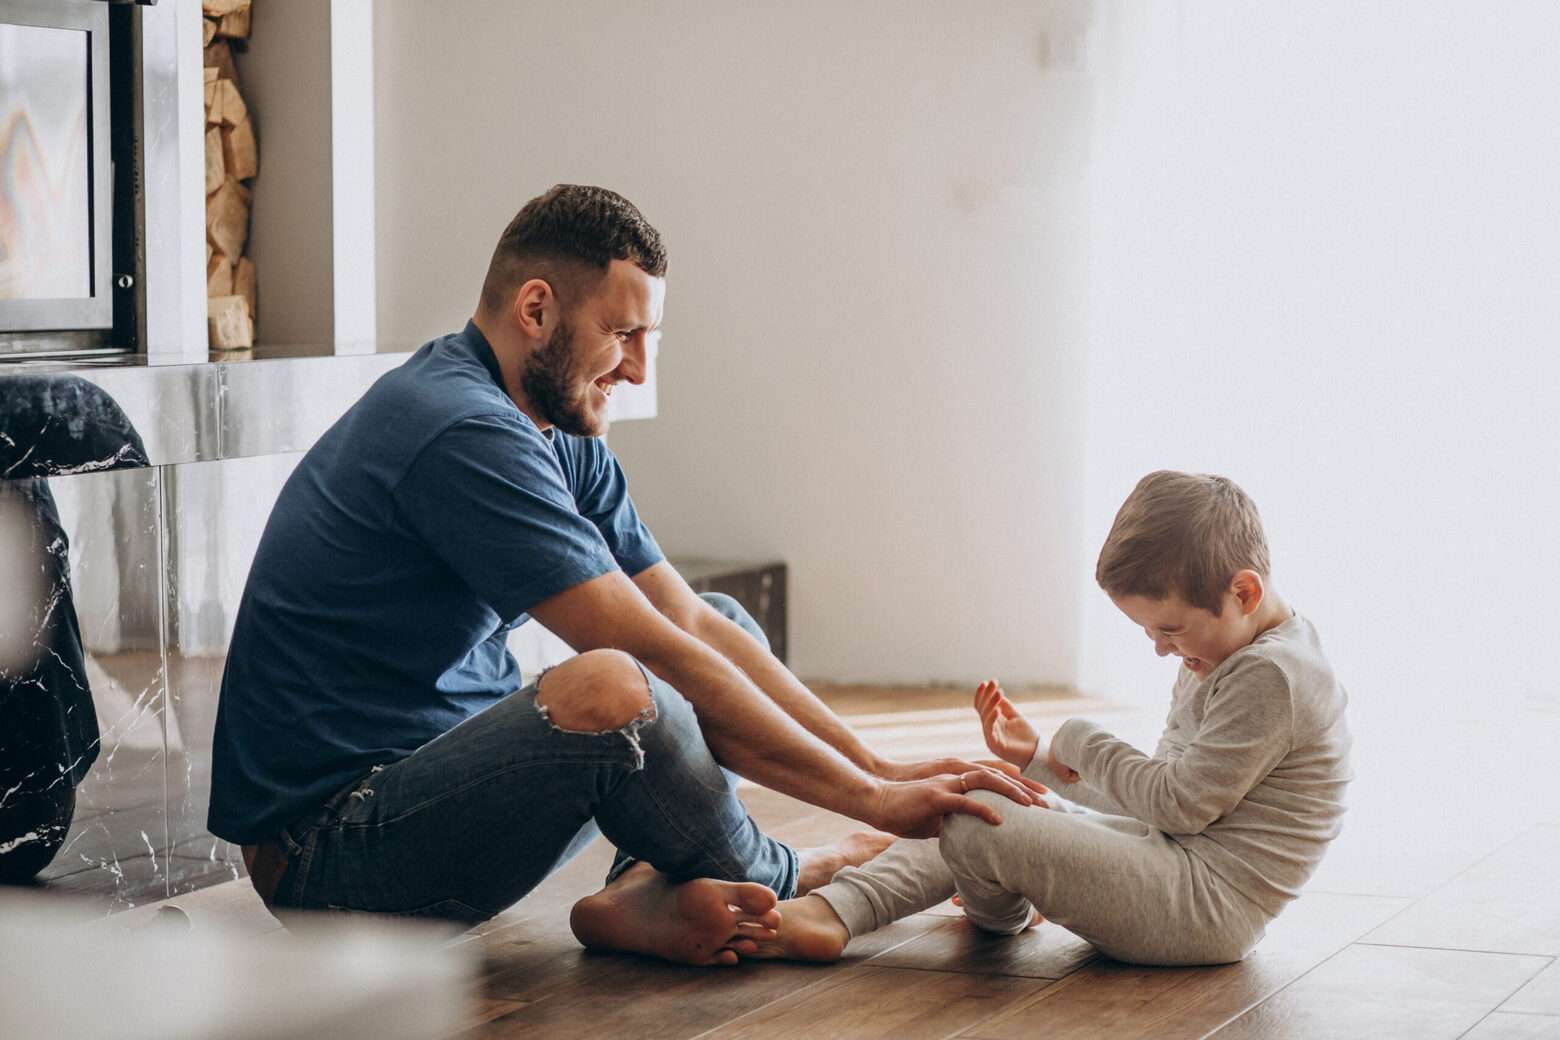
(548, 384)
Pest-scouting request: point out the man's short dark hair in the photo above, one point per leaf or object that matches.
(568, 236)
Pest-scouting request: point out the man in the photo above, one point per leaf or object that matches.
(373, 751)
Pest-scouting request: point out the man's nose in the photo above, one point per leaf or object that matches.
(635, 365)
(1163, 647)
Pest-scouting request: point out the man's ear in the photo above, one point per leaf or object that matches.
(535, 308)
(1248, 589)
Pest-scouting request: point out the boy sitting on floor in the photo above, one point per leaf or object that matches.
(1188, 853)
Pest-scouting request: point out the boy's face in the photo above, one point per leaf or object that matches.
(1202, 640)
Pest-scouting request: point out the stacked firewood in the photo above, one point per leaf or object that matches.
(231, 159)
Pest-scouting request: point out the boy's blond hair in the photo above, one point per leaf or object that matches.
(1182, 533)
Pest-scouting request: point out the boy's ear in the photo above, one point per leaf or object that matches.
(1249, 590)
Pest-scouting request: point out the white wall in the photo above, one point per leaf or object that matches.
(1324, 263)
(876, 215)
(308, 79)
(286, 78)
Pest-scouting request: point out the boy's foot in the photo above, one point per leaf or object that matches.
(817, 867)
(1035, 920)
(809, 930)
(703, 922)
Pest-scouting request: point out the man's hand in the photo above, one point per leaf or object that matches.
(915, 809)
(1008, 734)
(890, 770)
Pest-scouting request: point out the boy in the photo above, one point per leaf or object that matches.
(1188, 854)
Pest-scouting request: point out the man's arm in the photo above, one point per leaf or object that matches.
(671, 596)
(744, 729)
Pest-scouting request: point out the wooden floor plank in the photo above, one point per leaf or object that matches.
(586, 994)
(1487, 887)
(911, 723)
(1389, 992)
(865, 1001)
(1504, 1026)
(1508, 902)
(538, 981)
(1046, 952)
(1107, 998)
(1539, 997)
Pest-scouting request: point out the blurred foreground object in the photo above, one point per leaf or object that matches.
(335, 977)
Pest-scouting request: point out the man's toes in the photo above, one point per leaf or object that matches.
(724, 957)
(743, 947)
(749, 930)
(754, 899)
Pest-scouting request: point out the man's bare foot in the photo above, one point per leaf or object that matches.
(817, 867)
(702, 922)
(809, 930)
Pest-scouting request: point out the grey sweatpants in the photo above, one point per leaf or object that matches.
(1129, 889)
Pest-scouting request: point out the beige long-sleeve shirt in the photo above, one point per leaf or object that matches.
(1250, 772)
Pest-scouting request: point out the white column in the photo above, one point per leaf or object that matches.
(352, 165)
(173, 186)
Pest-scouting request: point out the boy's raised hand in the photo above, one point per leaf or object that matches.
(1008, 734)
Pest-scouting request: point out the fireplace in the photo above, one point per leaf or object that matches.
(68, 237)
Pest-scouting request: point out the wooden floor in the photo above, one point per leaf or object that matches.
(1436, 915)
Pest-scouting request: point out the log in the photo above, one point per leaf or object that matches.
(219, 56)
(216, 165)
(227, 323)
(212, 115)
(238, 151)
(235, 26)
(208, 31)
(244, 284)
(219, 276)
(229, 109)
(227, 218)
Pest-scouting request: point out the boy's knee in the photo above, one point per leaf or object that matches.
(730, 609)
(598, 691)
(965, 838)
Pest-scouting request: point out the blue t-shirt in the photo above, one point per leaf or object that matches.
(401, 552)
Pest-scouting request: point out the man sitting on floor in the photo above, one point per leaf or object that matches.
(374, 749)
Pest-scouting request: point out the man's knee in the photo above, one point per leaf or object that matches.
(729, 608)
(598, 691)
